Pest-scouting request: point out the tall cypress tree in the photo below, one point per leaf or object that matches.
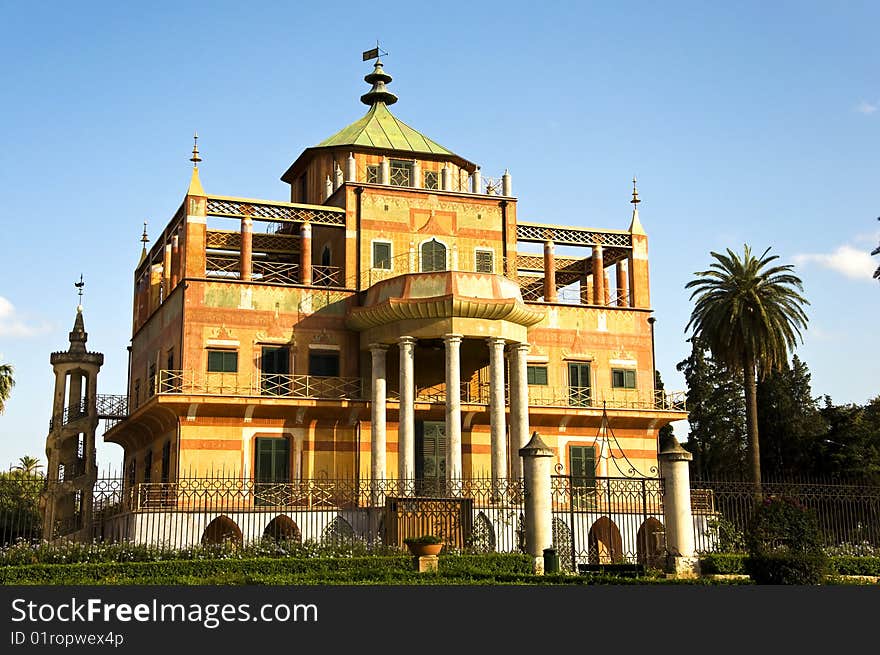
(718, 438)
(789, 421)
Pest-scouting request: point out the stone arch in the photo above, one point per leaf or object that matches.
(338, 532)
(650, 543)
(483, 535)
(562, 543)
(606, 546)
(282, 528)
(222, 530)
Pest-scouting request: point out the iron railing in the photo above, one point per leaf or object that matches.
(848, 513)
(348, 388)
(600, 520)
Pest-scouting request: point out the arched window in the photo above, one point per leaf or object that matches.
(433, 256)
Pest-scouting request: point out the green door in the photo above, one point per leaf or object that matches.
(582, 464)
(271, 471)
(430, 457)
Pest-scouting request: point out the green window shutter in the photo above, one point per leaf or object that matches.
(536, 374)
(272, 460)
(382, 255)
(583, 465)
(222, 361)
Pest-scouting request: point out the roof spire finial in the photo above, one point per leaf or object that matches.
(378, 78)
(144, 239)
(195, 159)
(635, 227)
(79, 291)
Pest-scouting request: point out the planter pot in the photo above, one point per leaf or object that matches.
(420, 550)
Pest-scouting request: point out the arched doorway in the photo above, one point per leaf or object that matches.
(338, 533)
(282, 528)
(606, 546)
(483, 535)
(650, 544)
(222, 530)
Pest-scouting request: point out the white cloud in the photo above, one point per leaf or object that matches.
(866, 108)
(12, 324)
(851, 262)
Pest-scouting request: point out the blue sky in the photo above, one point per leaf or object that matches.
(744, 122)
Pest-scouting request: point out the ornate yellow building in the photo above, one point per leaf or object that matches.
(387, 322)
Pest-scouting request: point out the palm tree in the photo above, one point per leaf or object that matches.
(749, 314)
(28, 465)
(6, 384)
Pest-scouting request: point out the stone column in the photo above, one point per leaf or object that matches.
(74, 391)
(477, 181)
(537, 461)
(247, 248)
(305, 254)
(453, 406)
(384, 171)
(377, 415)
(679, 523)
(417, 175)
(351, 168)
(506, 184)
(497, 421)
(328, 188)
(406, 437)
(519, 406)
(175, 260)
(446, 178)
(598, 276)
(166, 271)
(549, 273)
(622, 290)
(607, 284)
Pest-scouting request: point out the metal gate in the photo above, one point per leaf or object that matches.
(601, 520)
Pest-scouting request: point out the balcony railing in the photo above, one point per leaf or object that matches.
(346, 388)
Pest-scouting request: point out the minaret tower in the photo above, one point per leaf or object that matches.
(70, 445)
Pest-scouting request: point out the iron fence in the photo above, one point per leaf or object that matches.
(478, 514)
(595, 520)
(848, 513)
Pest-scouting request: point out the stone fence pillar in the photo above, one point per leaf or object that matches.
(681, 559)
(537, 460)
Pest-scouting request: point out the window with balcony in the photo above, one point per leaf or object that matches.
(536, 374)
(222, 361)
(433, 255)
(579, 384)
(382, 255)
(324, 363)
(623, 378)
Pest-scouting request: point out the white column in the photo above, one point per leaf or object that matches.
(377, 413)
(351, 168)
(384, 171)
(477, 181)
(453, 406)
(406, 434)
(497, 422)
(679, 523)
(538, 459)
(519, 406)
(417, 175)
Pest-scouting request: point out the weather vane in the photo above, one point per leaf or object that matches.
(79, 288)
(374, 52)
(195, 159)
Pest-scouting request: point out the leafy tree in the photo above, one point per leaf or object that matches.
(789, 422)
(716, 414)
(6, 384)
(852, 444)
(666, 431)
(749, 313)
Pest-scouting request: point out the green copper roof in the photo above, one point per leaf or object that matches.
(379, 128)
